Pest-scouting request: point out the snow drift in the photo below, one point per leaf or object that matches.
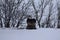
(39, 34)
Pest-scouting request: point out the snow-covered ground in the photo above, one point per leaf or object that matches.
(38, 34)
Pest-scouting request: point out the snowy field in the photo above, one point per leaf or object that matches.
(39, 34)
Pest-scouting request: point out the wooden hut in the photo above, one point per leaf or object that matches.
(31, 23)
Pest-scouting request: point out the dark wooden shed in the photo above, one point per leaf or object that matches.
(31, 24)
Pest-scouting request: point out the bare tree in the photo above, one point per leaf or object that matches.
(42, 6)
(8, 9)
(49, 15)
(52, 16)
(24, 12)
(58, 7)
